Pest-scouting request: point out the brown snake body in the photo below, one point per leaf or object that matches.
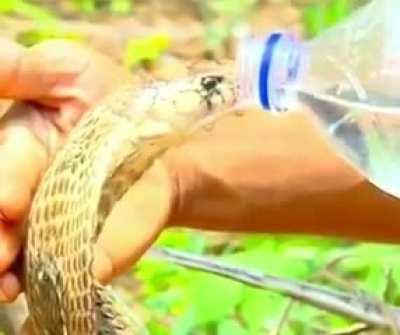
(104, 155)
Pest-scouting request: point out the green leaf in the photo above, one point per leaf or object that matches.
(34, 12)
(146, 49)
(375, 281)
(213, 298)
(318, 17)
(273, 262)
(157, 328)
(252, 241)
(392, 292)
(163, 302)
(231, 7)
(7, 5)
(185, 324)
(230, 327)
(121, 6)
(183, 240)
(377, 253)
(314, 19)
(86, 6)
(34, 36)
(337, 10)
(261, 308)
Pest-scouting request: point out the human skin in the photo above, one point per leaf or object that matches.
(250, 173)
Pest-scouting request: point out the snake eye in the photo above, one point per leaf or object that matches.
(209, 83)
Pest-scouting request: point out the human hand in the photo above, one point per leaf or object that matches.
(254, 173)
(192, 186)
(61, 80)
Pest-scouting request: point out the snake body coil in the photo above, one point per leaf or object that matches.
(104, 155)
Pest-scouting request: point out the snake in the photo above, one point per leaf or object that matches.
(108, 150)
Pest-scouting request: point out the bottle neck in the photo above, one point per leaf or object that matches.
(267, 70)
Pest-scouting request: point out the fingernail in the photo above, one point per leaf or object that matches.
(9, 287)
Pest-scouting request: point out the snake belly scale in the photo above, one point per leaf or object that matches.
(104, 155)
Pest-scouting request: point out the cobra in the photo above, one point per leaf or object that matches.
(104, 155)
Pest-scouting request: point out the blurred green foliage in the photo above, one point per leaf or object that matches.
(146, 49)
(49, 31)
(222, 17)
(114, 6)
(26, 9)
(324, 14)
(46, 24)
(197, 303)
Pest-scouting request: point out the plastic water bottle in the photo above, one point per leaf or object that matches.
(348, 77)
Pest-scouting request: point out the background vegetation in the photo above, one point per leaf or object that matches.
(170, 299)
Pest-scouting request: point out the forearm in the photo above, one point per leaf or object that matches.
(292, 183)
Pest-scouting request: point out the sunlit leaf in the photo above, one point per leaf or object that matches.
(34, 36)
(314, 19)
(7, 5)
(183, 240)
(146, 49)
(86, 6)
(158, 328)
(260, 309)
(185, 324)
(337, 10)
(273, 263)
(231, 327)
(34, 12)
(392, 291)
(213, 298)
(319, 16)
(121, 6)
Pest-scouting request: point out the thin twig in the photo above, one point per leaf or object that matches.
(289, 307)
(357, 306)
(284, 317)
(351, 330)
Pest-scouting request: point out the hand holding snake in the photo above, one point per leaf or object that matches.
(180, 185)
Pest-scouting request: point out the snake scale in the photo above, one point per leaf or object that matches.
(104, 155)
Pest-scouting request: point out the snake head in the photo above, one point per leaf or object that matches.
(201, 99)
(216, 90)
(187, 104)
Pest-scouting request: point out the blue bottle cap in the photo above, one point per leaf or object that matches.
(279, 69)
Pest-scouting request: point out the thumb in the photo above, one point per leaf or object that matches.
(134, 223)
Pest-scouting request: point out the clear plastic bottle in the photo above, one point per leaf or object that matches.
(349, 77)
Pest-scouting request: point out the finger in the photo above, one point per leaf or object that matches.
(134, 223)
(9, 59)
(54, 71)
(21, 162)
(10, 287)
(39, 69)
(10, 244)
